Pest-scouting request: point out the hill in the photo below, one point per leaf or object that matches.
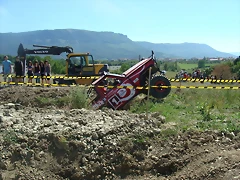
(235, 53)
(103, 45)
(185, 50)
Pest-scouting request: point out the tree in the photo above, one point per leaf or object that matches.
(237, 60)
(201, 63)
(235, 67)
(58, 66)
(165, 66)
(33, 58)
(11, 58)
(238, 74)
(124, 67)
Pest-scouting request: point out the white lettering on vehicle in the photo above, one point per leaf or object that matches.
(132, 92)
(135, 80)
(42, 52)
(122, 92)
(98, 104)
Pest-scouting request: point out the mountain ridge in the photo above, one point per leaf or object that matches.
(103, 44)
(235, 53)
(197, 49)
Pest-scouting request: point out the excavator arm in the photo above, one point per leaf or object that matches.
(51, 50)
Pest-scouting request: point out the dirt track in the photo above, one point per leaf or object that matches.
(47, 143)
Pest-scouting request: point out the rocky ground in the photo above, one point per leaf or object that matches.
(50, 143)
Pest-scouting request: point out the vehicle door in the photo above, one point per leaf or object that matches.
(87, 66)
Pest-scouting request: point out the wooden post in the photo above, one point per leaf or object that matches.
(149, 85)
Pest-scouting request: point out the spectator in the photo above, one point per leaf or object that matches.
(30, 72)
(47, 71)
(18, 68)
(42, 71)
(6, 69)
(36, 70)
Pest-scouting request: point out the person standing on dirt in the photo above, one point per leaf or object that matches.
(30, 72)
(6, 69)
(42, 71)
(47, 71)
(18, 68)
(36, 70)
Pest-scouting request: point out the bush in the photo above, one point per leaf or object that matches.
(222, 70)
(78, 98)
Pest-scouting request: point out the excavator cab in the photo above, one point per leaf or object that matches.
(81, 64)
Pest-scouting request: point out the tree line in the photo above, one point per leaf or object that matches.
(227, 69)
(232, 68)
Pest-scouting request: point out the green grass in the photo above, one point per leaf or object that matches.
(77, 98)
(197, 109)
(187, 66)
(190, 66)
(171, 74)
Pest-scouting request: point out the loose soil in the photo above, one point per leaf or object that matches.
(52, 143)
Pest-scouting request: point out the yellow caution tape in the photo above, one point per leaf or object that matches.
(96, 77)
(55, 77)
(206, 80)
(124, 87)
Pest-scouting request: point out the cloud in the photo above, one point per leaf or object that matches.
(106, 7)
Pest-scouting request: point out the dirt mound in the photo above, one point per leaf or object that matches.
(77, 144)
(28, 96)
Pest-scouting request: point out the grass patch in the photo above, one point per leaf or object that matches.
(10, 137)
(77, 98)
(197, 109)
(187, 66)
(190, 66)
(171, 74)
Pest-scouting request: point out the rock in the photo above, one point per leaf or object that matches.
(7, 113)
(157, 130)
(8, 175)
(76, 176)
(9, 105)
(230, 135)
(155, 158)
(47, 123)
(3, 165)
(22, 138)
(18, 106)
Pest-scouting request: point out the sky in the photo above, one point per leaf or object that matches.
(212, 22)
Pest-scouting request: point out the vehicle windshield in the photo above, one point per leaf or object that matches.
(80, 60)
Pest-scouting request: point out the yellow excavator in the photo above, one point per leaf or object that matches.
(80, 67)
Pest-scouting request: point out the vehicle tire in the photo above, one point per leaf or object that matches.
(160, 93)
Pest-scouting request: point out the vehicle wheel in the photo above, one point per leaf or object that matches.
(160, 93)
